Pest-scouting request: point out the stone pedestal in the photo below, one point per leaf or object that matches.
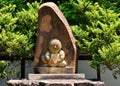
(53, 70)
(54, 83)
(55, 80)
(56, 77)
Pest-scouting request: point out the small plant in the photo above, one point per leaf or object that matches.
(3, 66)
(4, 72)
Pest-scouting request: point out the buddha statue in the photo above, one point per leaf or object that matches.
(54, 56)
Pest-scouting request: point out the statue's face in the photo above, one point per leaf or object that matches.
(55, 46)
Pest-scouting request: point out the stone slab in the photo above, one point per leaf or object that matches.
(53, 70)
(56, 82)
(56, 76)
(53, 25)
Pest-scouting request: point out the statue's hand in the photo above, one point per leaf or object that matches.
(55, 58)
(63, 64)
(43, 60)
(62, 55)
(47, 56)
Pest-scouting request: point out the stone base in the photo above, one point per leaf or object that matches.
(55, 80)
(63, 82)
(54, 70)
(56, 76)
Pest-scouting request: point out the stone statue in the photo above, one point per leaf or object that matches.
(55, 51)
(55, 55)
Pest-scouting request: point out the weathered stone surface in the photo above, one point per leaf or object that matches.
(55, 82)
(53, 25)
(54, 70)
(56, 76)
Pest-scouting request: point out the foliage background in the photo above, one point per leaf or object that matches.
(18, 24)
(95, 24)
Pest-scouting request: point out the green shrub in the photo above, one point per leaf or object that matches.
(17, 30)
(96, 26)
(4, 72)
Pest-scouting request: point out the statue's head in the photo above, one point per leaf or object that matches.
(55, 46)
